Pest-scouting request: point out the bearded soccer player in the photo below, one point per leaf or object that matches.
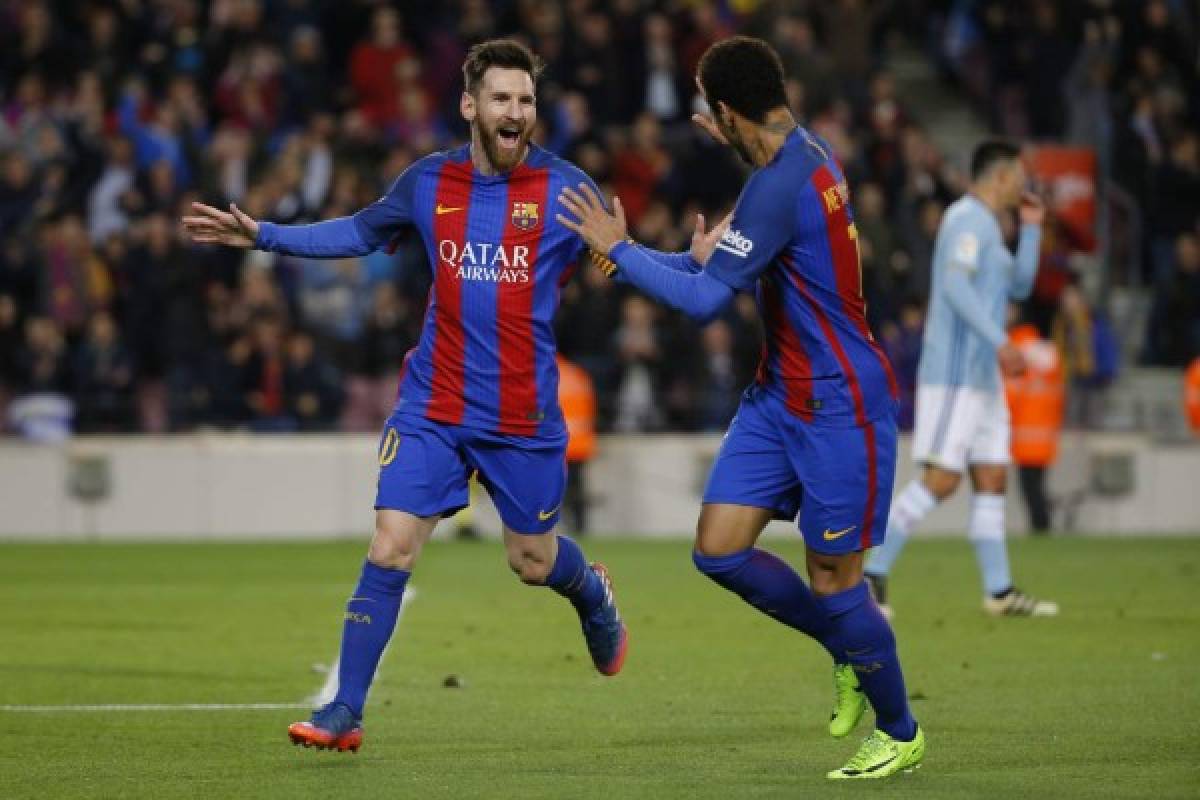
(479, 391)
(816, 432)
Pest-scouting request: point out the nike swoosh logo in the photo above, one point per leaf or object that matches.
(831, 535)
(545, 515)
(441, 209)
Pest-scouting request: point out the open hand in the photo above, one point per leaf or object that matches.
(214, 226)
(592, 221)
(703, 243)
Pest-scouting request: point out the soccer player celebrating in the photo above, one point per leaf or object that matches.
(819, 423)
(479, 391)
(962, 417)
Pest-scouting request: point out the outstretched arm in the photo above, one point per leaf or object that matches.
(691, 291)
(334, 238)
(697, 294)
(343, 237)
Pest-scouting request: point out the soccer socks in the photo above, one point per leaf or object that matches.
(909, 508)
(574, 579)
(768, 583)
(986, 532)
(859, 630)
(369, 622)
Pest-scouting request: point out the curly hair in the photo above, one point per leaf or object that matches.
(745, 74)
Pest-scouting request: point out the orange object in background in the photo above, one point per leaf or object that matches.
(1036, 399)
(1070, 175)
(577, 397)
(1191, 395)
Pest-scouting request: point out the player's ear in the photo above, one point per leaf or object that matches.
(466, 106)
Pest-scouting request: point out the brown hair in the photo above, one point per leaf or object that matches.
(506, 53)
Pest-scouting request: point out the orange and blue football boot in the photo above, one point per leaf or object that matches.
(607, 639)
(333, 727)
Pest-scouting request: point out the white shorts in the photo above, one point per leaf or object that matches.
(957, 426)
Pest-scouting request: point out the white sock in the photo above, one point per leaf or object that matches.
(986, 532)
(909, 508)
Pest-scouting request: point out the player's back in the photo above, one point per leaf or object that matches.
(968, 240)
(819, 355)
(486, 357)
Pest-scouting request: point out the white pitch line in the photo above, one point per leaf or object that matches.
(105, 707)
(323, 696)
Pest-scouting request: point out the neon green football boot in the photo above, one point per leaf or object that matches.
(849, 702)
(882, 756)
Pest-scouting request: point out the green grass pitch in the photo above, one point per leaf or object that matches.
(715, 700)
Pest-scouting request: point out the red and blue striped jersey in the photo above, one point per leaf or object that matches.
(792, 239)
(486, 354)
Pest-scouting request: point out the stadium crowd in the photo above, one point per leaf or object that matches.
(117, 115)
(1124, 79)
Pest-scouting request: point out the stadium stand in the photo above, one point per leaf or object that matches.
(117, 115)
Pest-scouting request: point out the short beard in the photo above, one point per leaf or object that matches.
(499, 161)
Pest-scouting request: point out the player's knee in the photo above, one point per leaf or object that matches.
(719, 566)
(392, 550)
(833, 574)
(941, 483)
(529, 567)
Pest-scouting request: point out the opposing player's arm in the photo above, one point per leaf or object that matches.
(1029, 244)
(965, 256)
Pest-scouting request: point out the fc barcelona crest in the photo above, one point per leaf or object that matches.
(525, 215)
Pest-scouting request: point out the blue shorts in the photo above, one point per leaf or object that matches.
(838, 478)
(424, 467)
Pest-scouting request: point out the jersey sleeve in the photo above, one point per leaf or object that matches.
(379, 222)
(965, 246)
(572, 178)
(763, 223)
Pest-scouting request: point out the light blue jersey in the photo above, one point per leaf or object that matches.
(974, 277)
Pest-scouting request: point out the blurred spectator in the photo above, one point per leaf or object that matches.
(1174, 336)
(720, 387)
(103, 380)
(577, 397)
(902, 342)
(261, 376)
(639, 405)
(313, 387)
(1191, 395)
(381, 67)
(1036, 403)
(1073, 334)
(41, 409)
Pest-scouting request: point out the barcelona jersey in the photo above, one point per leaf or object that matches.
(793, 242)
(486, 356)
